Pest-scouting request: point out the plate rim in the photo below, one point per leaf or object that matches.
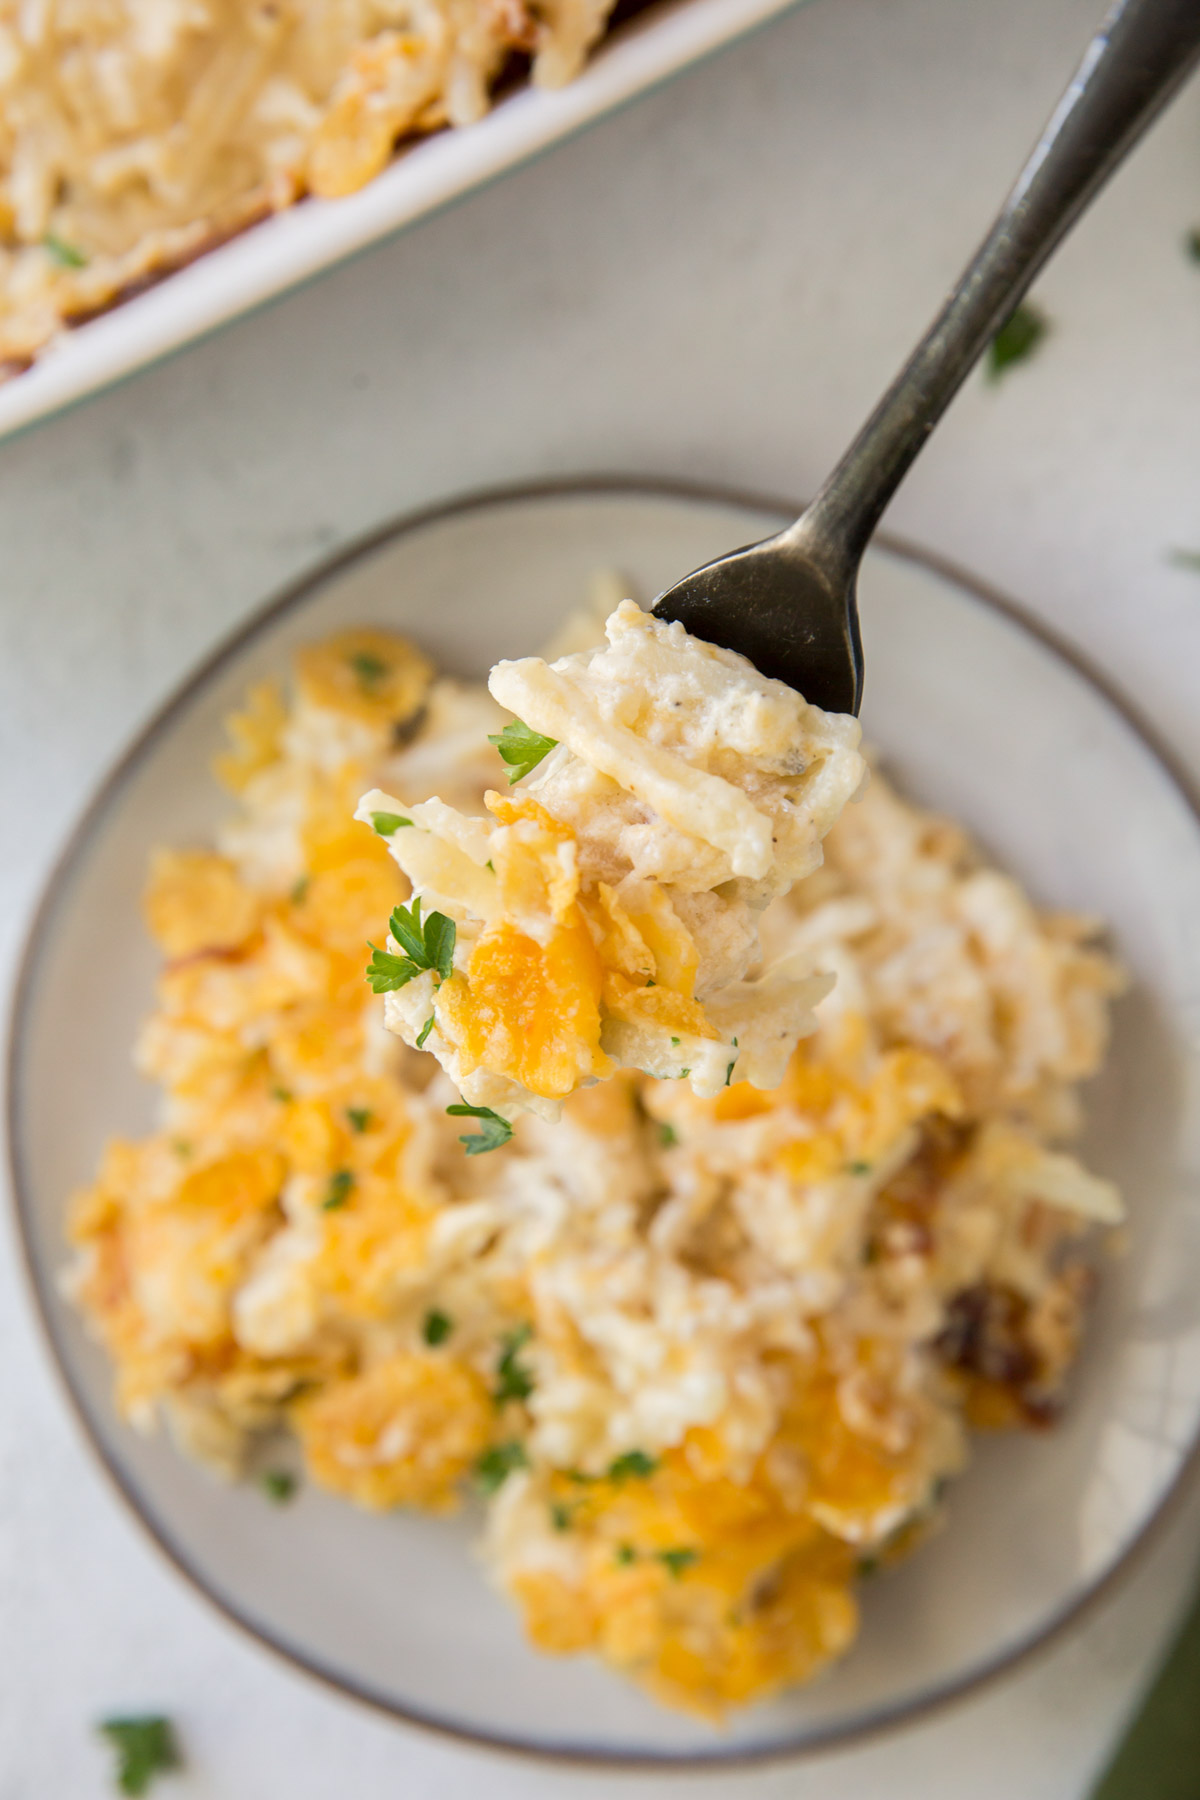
(78, 838)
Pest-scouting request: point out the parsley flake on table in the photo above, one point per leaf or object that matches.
(1185, 559)
(513, 1380)
(67, 256)
(1191, 244)
(436, 1327)
(521, 748)
(425, 944)
(633, 1465)
(1016, 340)
(494, 1467)
(145, 1747)
(676, 1561)
(279, 1485)
(493, 1130)
(341, 1186)
(388, 824)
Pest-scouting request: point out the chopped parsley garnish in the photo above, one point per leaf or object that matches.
(278, 1485)
(493, 1130)
(683, 1074)
(1191, 244)
(370, 669)
(1185, 559)
(676, 1561)
(341, 1186)
(388, 824)
(521, 748)
(634, 1465)
(858, 1168)
(181, 1147)
(424, 1032)
(494, 1467)
(436, 1327)
(731, 1067)
(283, 1095)
(360, 1118)
(561, 1516)
(867, 1566)
(675, 1043)
(1017, 339)
(514, 1382)
(427, 944)
(64, 254)
(667, 1135)
(650, 981)
(145, 1747)
(299, 890)
(625, 1554)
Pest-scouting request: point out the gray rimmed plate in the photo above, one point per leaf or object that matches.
(976, 711)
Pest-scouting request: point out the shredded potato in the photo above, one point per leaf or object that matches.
(609, 917)
(708, 1359)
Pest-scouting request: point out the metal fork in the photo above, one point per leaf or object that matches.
(790, 603)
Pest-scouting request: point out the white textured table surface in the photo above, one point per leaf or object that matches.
(716, 283)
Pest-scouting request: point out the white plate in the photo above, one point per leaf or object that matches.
(976, 713)
(293, 246)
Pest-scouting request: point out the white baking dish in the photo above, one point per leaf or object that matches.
(293, 246)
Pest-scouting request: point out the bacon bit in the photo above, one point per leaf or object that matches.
(984, 1335)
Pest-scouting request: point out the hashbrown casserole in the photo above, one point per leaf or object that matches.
(707, 1359)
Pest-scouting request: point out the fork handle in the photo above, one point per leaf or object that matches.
(1142, 53)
